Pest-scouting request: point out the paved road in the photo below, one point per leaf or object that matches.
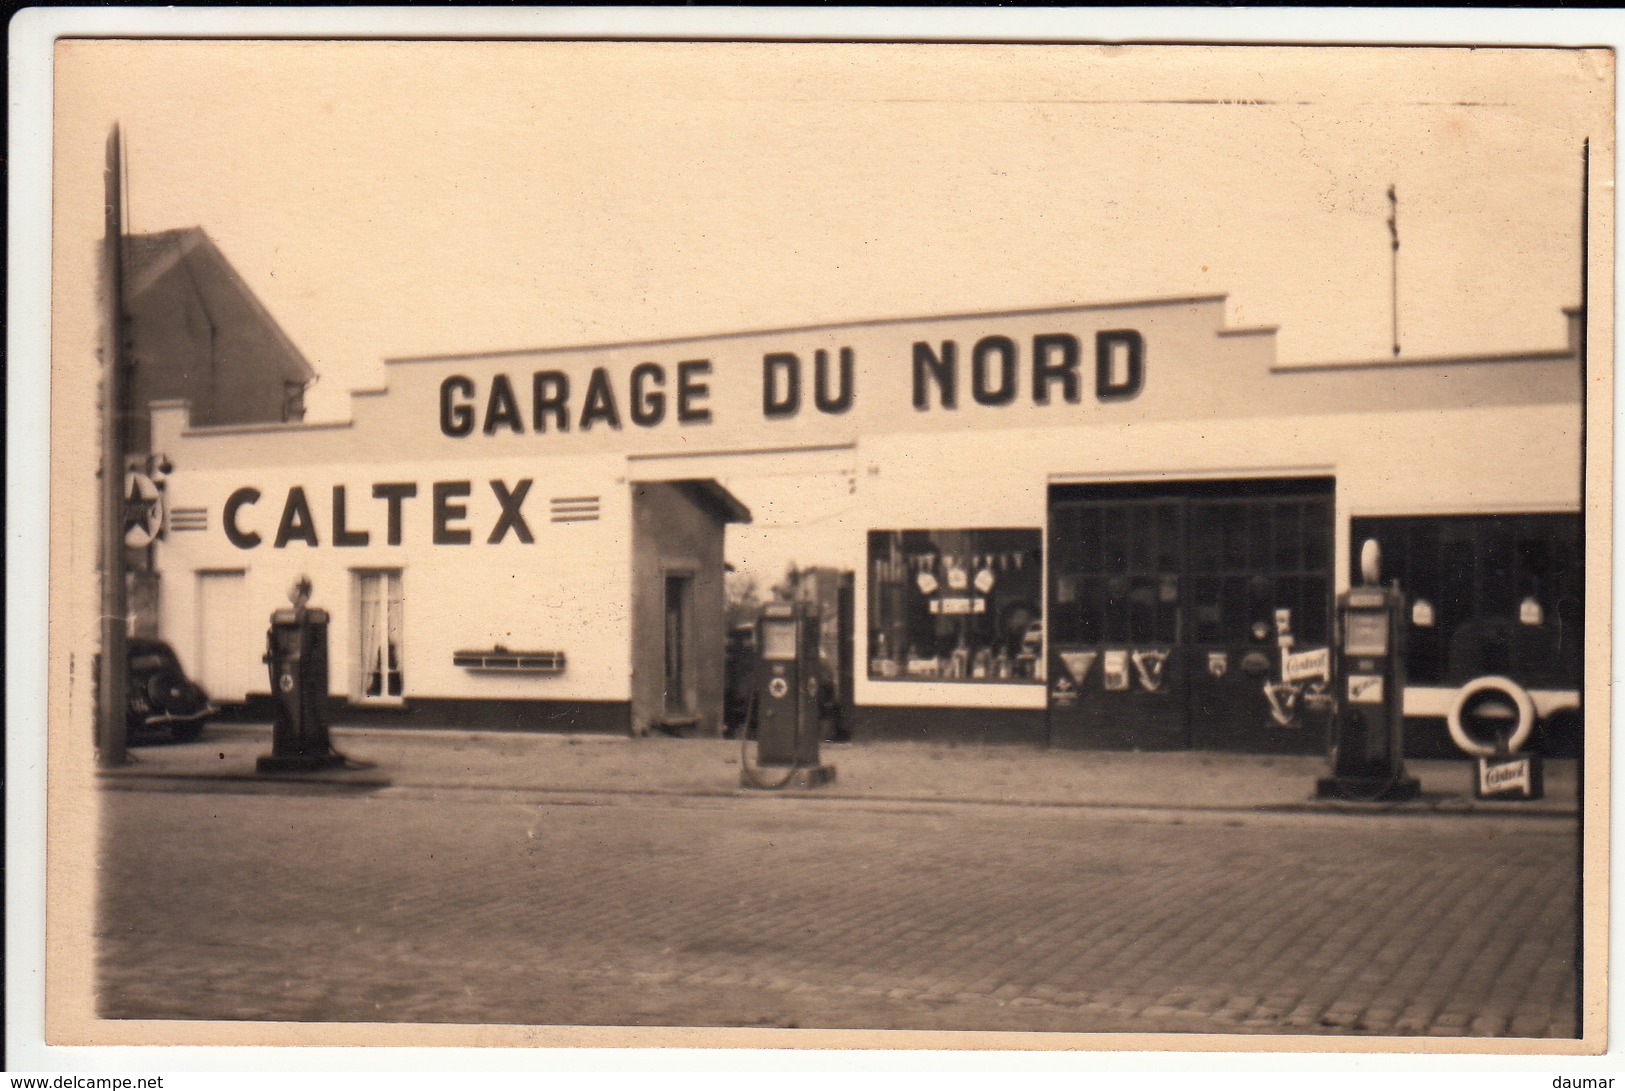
(498, 908)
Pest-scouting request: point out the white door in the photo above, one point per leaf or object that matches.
(227, 642)
(379, 624)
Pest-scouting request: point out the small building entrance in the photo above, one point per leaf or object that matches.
(679, 627)
(679, 699)
(1163, 599)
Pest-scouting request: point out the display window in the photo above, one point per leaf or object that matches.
(956, 605)
(1485, 594)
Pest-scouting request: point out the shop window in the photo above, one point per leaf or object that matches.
(1504, 594)
(956, 605)
(379, 625)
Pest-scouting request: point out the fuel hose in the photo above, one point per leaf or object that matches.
(1347, 794)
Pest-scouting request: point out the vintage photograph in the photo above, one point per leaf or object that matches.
(776, 544)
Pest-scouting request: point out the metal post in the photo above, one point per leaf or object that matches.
(110, 727)
(1393, 231)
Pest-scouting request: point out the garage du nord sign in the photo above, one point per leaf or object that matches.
(944, 375)
(940, 377)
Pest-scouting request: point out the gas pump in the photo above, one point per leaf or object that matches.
(1368, 722)
(787, 706)
(296, 653)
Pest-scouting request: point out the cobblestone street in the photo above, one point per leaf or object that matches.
(506, 908)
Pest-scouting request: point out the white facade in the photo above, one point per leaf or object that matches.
(1152, 391)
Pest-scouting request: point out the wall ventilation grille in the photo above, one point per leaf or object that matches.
(189, 519)
(574, 509)
(501, 659)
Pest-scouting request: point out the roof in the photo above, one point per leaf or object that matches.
(711, 497)
(1023, 312)
(1399, 363)
(145, 256)
(148, 257)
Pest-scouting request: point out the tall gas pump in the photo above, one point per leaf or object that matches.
(296, 655)
(1367, 742)
(787, 705)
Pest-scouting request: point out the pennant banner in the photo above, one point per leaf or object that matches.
(1148, 663)
(1077, 664)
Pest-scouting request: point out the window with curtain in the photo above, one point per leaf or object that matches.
(380, 621)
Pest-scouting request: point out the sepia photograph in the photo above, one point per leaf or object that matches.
(829, 544)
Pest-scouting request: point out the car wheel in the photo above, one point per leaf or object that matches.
(170, 692)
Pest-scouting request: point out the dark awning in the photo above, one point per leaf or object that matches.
(711, 497)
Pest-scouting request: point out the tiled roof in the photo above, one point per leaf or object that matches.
(143, 253)
(148, 257)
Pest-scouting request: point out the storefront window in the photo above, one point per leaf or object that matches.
(1498, 594)
(956, 605)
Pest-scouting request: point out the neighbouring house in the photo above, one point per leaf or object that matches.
(196, 334)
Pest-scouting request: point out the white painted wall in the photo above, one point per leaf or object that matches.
(565, 591)
(1401, 438)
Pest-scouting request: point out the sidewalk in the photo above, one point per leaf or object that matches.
(876, 771)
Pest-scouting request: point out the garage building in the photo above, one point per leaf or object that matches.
(1071, 526)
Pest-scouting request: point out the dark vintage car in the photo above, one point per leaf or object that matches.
(161, 697)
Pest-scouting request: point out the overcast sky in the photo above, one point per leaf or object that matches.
(411, 198)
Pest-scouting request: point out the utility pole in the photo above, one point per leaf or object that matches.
(1585, 266)
(111, 677)
(1393, 232)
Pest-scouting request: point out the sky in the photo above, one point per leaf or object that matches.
(394, 198)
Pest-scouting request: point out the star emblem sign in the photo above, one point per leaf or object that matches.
(143, 511)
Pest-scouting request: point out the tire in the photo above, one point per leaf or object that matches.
(1520, 699)
(169, 691)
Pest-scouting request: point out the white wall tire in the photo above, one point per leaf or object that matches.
(1520, 699)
